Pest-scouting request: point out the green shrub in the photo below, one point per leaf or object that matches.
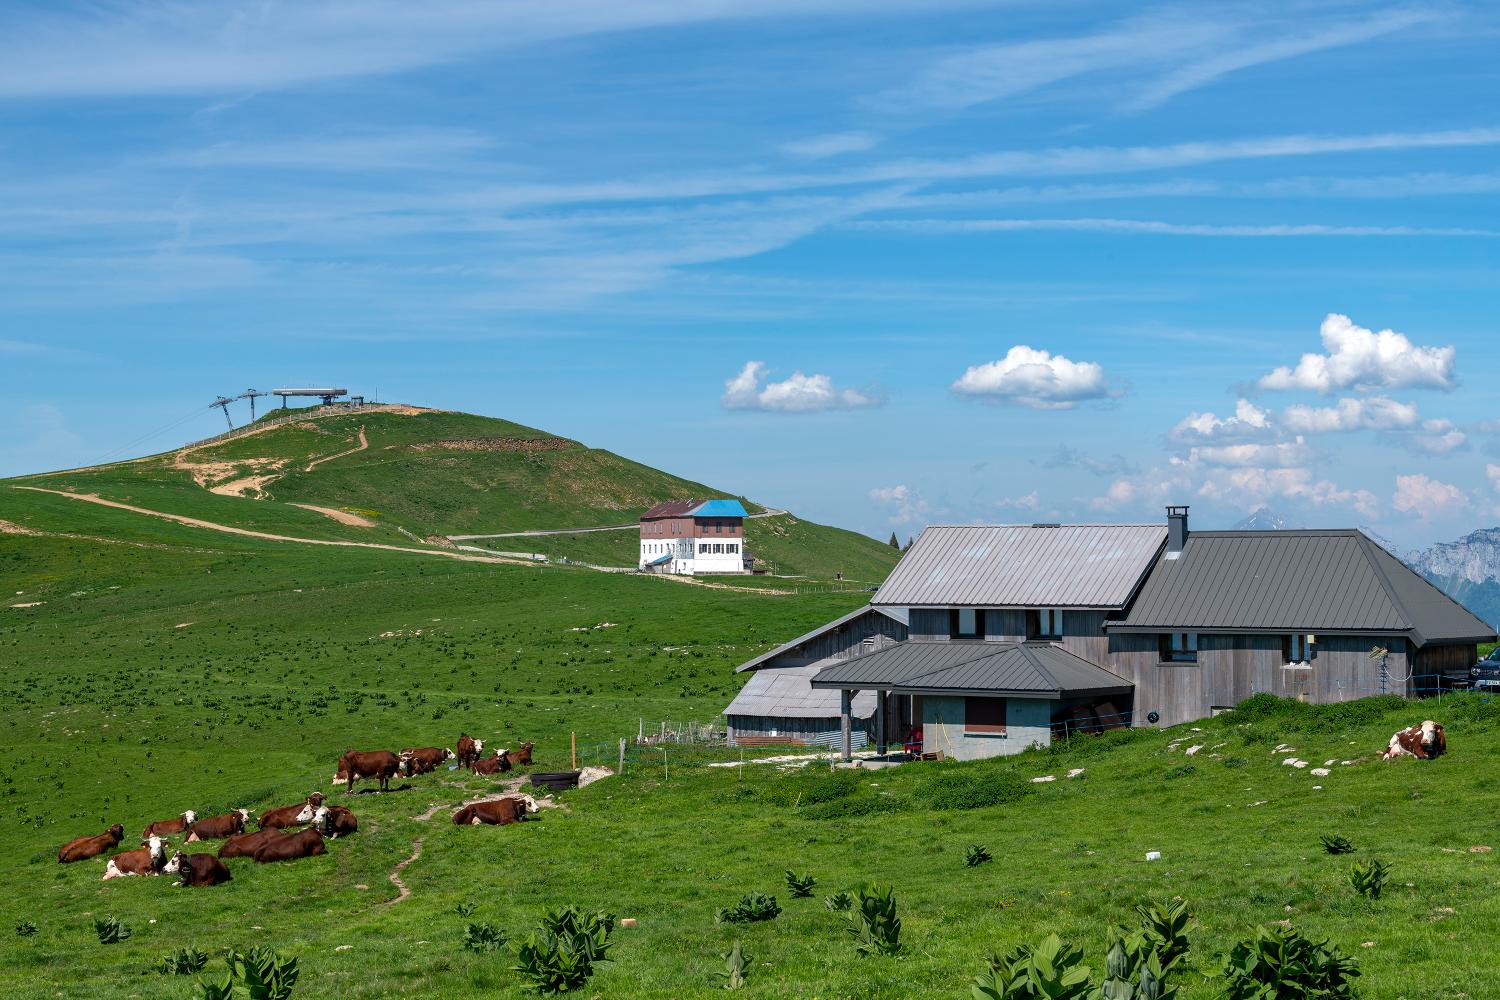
(483, 937)
(809, 789)
(838, 902)
(736, 967)
(1134, 969)
(876, 927)
(1281, 963)
(26, 928)
(560, 955)
(1334, 844)
(856, 806)
(973, 788)
(182, 962)
(1181, 771)
(752, 907)
(1235, 762)
(1369, 877)
(800, 886)
(1051, 970)
(464, 909)
(258, 974)
(1083, 746)
(110, 930)
(976, 855)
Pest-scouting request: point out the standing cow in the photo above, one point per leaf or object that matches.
(148, 860)
(197, 869)
(169, 827)
(83, 848)
(219, 827)
(469, 749)
(380, 765)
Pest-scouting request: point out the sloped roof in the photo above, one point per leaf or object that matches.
(720, 508)
(670, 508)
(1024, 669)
(784, 692)
(1029, 566)
(695, 508)
(895, 614)
(1295, 581)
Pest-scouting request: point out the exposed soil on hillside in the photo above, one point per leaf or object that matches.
(512, 444)
(341, 516)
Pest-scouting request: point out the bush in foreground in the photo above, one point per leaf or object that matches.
(1281, 962)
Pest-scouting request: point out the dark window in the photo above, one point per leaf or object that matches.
(1044, 623)
(1298, 648)
(984, 715)
(965, 623)
(1179, 647)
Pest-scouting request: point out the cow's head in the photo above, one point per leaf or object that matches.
(117, 832)
(158, 853)
(320, 819)
(244, 815)
(447, 754)
(315, 799)
(1433, 739)
(479, 746)
(308, 812)
(189, 817)
(529, 803)
(175, 865)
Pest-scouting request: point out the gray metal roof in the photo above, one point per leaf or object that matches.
(895, 614)
(1026, 566)
(785, 693)
(1295, 581)
(1037, 670)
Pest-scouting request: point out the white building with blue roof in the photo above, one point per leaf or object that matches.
(695, 538)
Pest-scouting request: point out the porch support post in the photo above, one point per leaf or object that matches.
(880, 721)
(845, 725)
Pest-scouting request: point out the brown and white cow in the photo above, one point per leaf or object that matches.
(293, 815)
(521, 757)
(244, 845)
(496, 812)
(219, 827)
(83, 848)
(468, 749)
(423, 760)
(197, 869)
(491, 765)
(169, 827)
(380, 765)
(1422, 742)
(334, 822)
(148, 860)
(303, 844)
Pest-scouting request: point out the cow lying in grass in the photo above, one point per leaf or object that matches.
(169, 827)
(1423, 742)
(291, 846)
(218, 827)
(496, 812)
(293, 815)
(83, 848)
(244, 845)
(334, 821)
(491, 765)
(423, 760)
(378, 765)
(521, 757)
(197, 869)
(148, 860)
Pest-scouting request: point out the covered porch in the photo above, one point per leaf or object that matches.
(971, 699)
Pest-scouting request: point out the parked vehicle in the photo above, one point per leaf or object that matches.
(1485, 674)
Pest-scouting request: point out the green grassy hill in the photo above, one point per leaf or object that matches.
(421, 473)
(158, 667)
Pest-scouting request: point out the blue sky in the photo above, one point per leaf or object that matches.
(885, 264)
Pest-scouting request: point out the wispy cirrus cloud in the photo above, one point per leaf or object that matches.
(1157, 227)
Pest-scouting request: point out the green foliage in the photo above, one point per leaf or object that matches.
(1180, 771)
(736, 967)
(838, 902)
(464, 909)
(800, 886)
(110, 930)
(560, 955)
(876, 927)
(976, 855)
(1134, 969)
(26, 928)
(752, 907)
(1334, 844)
(483, 937)
(809, 789)
(1164, 926)
(182, 962)
(1369, 877)
(217, 991)
(1050, 971)
(856, 806)
(1234, 762)
(1291, 714)
(262, 973)
(1282, 964)
(972, 787)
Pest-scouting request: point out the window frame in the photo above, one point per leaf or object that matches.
(955, 619)
(994, 713)
(1303, 642)
(1034, 619)
(1177, 647)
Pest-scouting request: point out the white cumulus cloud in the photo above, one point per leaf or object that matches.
(1281, 455)
(1249, 421)
(1378, 413)
(749, 390)
(1422, 495)
(1035, 378)
(1357, 358)
(908, 503)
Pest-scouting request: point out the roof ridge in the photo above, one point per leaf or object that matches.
(1440, 591)
(1036, 664)
(1365, 545)
(987, 649)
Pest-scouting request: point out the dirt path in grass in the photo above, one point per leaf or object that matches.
(363, 444)
(341, 516)
(395, 875)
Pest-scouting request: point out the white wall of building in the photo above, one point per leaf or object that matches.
(691, 556)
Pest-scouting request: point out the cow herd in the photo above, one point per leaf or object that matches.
(299, 830)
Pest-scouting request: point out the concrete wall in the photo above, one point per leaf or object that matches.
(1027, 721)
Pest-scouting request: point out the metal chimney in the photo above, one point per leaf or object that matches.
(1177, 529)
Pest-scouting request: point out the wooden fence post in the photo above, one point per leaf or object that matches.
(621, 769)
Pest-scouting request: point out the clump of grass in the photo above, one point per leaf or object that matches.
(751, 908)
(1235, 762)
(855, 806)
(973, 788)
(838, 902)
(26, 928)
(876, 927)
(800, 886)
(1334, 844)
(483, 937)
(977, 855)
(110, 930)
(464, 909)
(1369, 877)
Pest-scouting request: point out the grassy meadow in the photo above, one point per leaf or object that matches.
(163, 667)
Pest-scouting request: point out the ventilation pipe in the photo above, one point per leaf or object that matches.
(1177, 529)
